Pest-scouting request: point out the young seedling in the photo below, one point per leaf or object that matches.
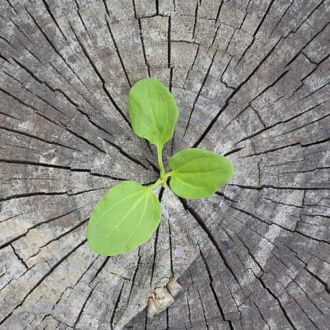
(129, 213)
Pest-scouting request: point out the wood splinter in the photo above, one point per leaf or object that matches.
(162, 295)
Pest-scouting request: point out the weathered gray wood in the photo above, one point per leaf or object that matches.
(251, 79)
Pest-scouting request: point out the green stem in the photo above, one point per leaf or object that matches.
(160, 161)
(161, 181)
(157, 183)
(163, 175)
(167, 175)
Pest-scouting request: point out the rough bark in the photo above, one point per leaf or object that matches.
(251, 79)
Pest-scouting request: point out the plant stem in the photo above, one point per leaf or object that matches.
(157, 183)
(161, 181)
(163, 175)
(160, 161)
(167, 175)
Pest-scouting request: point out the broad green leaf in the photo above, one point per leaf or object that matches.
(124, 218)
(198, 173)
(153, 111)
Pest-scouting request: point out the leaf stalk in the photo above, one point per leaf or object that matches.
(160, 163)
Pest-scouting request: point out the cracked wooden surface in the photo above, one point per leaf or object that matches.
(251, 79)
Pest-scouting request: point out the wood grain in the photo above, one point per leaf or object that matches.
(251, 79)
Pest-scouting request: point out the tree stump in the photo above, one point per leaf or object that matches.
(251, 79)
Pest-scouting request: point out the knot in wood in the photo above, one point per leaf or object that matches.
(162, 295)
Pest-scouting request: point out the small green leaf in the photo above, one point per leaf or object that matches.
(198, 173)
(123, 219)
(153, 111)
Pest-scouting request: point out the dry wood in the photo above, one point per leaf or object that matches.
(251, 79)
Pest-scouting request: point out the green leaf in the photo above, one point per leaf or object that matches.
(198, 173)
(153, 111)
(124, 218)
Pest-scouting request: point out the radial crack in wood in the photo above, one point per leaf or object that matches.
(252, 81)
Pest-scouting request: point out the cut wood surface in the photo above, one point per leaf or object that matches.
(251, 79)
